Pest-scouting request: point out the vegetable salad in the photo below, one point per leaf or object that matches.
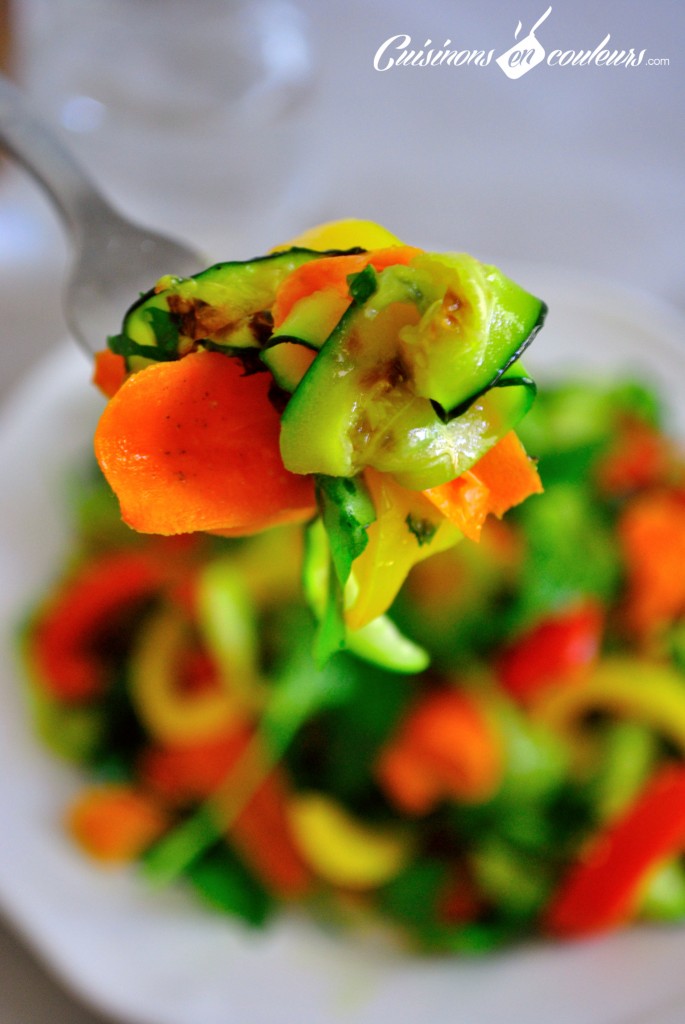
(346, 378)
(530, 781)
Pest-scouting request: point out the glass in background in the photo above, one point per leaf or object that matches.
(191, 115)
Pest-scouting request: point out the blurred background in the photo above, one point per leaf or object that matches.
(236, 124)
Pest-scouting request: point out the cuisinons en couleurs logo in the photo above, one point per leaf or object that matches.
(528, 51)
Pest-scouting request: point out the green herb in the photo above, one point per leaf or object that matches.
(423, 529)
(363, 284)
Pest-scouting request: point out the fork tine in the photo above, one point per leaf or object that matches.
(114, 258)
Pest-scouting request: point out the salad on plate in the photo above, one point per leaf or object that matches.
(530, 781)
(278, 698)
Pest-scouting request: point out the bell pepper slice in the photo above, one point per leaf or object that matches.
(639, 457)
(183, 773)
(459, 900)
(603, 888)
(378, 641)
(343, 850)
(410, 526)
(560, 646)
(407, 529)
(170, 709)
(263, 837)
(62, 651)
(646, 691)
(345, 233)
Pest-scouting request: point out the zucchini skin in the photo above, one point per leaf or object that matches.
(227, 307)
(403, 380)
(358, 404)
(475, 324)
(498, 377)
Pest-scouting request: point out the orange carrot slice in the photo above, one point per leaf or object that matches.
(116, 823)
(505, 476)
(464, 501)
(109, 372)
(651, 531)
(193, 445)
(331, 273)
(509, 474)
(445, 747)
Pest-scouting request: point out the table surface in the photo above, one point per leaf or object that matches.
(577, 167)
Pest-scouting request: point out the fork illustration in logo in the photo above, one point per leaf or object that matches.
(524, 54)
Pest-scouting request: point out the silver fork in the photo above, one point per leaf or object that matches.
(114, 259)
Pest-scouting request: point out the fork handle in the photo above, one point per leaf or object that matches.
(27, 138)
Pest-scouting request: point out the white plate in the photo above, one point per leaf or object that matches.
(155, 957)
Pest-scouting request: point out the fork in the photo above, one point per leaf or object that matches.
(113, 258)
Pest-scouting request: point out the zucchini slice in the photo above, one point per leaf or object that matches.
(288, 362)
(475, 324)
(362, 402)
(227, 307)
(312, 319)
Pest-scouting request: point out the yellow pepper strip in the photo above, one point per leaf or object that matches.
(343, 234)
(169, 714)
(646, 691)
(342, 850)
(407, 529)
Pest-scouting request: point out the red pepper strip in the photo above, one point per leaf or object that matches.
(261, 833)
(64, 637)
(552, 651)
(189, 772)
(604, 886)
